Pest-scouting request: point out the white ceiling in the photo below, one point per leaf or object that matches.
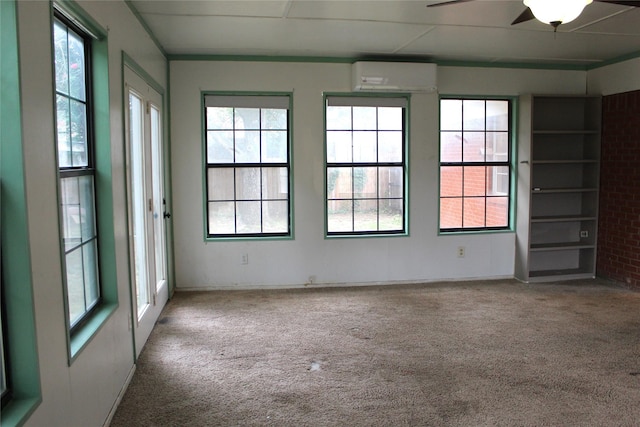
(478, 30)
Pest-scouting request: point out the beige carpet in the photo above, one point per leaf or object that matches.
(469, 354)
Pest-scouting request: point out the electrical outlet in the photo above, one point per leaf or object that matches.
(461, 251)
(245, 259)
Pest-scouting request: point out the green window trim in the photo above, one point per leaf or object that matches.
(263, 100)
(513, 132)
(365, 99)
(103, 179)
(22, 354)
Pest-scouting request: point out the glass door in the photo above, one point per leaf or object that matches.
(146, 204)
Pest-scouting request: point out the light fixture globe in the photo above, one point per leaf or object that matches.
(556, 12)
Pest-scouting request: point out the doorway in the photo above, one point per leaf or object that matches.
(146, 203)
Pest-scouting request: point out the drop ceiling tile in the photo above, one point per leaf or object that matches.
(340, 38)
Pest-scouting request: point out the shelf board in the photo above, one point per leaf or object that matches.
(562, 162)
(537, 190)
(563, 218)
(566, 274)
(566, 132)
(560, 246)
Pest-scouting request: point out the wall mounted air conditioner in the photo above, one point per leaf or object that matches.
(394, 76)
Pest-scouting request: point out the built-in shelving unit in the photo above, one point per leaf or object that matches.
(558, 187)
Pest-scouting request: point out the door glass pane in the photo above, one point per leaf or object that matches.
(138, 200)
(158, 194)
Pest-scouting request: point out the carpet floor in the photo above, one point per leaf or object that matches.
(465, 354)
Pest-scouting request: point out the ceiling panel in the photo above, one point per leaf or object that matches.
(251, 36)
(265, 8)
(472, 31)
(518, 46)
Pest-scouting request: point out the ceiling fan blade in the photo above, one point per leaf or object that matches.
(622, 2)
(447, 3)
(527, 15)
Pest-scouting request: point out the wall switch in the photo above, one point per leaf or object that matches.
(461, 251)
(245, 259)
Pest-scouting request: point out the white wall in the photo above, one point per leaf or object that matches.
(81, 394)
(615, 78)
(422, 256)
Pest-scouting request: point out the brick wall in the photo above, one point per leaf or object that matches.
(619, 216)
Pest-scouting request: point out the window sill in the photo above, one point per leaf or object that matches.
(464, 232)
(18, 410)
(85, 334)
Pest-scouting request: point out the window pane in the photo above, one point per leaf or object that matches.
(365, 215)
(76, 67)
(390, 146)
(339, 216)
(247, 118)
(389, 118)
(497, 180)
(222, 218)
(473, 147)
(219, 118)
(497, 146)
(365, 183)
(248, 184)
(75, 285)
(63, 124)
(450, 146)
(61, 52)
(275, 216)
(338, 118)
(275, 183)
(474, 212)
(451, 114)
(474, 181)
(220, 147)
(450, 181)
(221, 184)
(274, 146)
(364, 146)
(71, 212)
(78, 134)
(87, 214)
(473, 115)
(498, 115)
(247, 146)
(450, 213)
(364, 118)
(497, 211)
(339, 183)
(339, 148)
(391, 214)
(390, 182)
(89, 257)
(248, 217)
(274, 119)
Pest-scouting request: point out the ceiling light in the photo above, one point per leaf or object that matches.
(556, 12)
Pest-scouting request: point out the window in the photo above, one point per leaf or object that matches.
(365, 165)
(76, 168)
(247, 165)
(475, 164)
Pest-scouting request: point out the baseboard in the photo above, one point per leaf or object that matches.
(123, 390)
(269, 286)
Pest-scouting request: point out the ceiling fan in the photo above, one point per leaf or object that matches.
(552, 12)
